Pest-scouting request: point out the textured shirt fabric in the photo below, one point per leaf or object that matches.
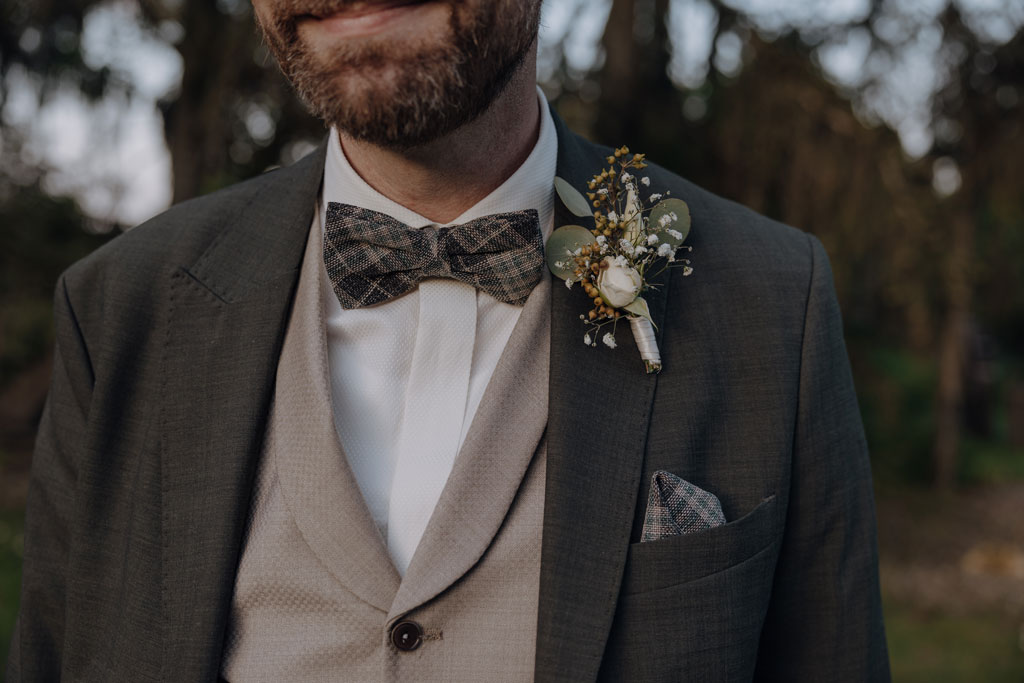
(408, 375)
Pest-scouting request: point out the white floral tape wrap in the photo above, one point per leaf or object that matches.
(643, 333)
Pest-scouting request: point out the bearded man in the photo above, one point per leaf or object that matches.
(289, 438)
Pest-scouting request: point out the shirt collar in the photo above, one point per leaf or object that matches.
(530, 187)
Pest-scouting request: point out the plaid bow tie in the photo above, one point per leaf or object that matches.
(371, 257)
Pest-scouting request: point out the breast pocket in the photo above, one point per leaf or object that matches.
(677, 559)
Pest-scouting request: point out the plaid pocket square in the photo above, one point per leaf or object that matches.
(676, 507)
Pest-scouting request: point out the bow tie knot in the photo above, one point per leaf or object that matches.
(436, 257)
(371, 257)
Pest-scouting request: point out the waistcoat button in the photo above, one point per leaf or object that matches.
(407, 635)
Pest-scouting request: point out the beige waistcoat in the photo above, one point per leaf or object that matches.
(316, 594)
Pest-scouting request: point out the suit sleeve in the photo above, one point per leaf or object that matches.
(824, 621)
(35, 652)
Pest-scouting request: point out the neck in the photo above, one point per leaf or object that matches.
(444, 178)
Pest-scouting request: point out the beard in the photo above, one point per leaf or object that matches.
(404, 95)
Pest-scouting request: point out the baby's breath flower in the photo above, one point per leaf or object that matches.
(569, 283)
(687, 270)
(626, 247)
(639, 251)
(665, 250)
(664, 221)
(656, 196)
(612, 216)
(675, 234)
(621, 261)
(646, 181)
(609, 340)
(586, 339)
(652, 239)
(603, 191)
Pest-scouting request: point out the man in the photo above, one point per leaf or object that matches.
(258, 464)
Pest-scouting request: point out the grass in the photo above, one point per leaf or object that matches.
(934, 648)
(988, 462)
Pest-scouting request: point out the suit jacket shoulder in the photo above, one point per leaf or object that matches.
(733, 242)
(233, 230)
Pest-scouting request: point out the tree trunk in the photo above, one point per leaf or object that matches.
(633, 78)
(952, 352)
(197, 124)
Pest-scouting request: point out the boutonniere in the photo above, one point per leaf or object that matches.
(634, 239)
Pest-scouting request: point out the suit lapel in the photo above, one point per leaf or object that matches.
(599, 408)
(502, 441)
(319, 487)
(224, 331)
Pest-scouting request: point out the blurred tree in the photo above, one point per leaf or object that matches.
(234, 114)
(231, 117)
(982, 143)
(913, 241)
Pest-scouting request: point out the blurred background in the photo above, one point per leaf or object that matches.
(891, 129)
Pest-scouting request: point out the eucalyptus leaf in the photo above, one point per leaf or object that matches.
(573, 200)
(560, 247)
(639, 307)
(681, 223)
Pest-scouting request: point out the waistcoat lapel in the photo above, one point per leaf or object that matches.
(224, 330)
(599, 409)
(486, 476)
(317, 482)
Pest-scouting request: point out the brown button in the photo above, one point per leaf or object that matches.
(407, 635)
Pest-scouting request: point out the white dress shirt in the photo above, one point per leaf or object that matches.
(407, 375)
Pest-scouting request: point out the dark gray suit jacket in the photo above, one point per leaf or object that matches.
(167, 344)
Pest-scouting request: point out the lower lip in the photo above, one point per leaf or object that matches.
(345, 25)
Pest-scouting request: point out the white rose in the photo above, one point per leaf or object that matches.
(618, 284)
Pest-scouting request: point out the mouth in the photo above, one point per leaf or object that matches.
(358, 18)
(353, 10)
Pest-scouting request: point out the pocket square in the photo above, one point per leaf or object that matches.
(676, 507)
